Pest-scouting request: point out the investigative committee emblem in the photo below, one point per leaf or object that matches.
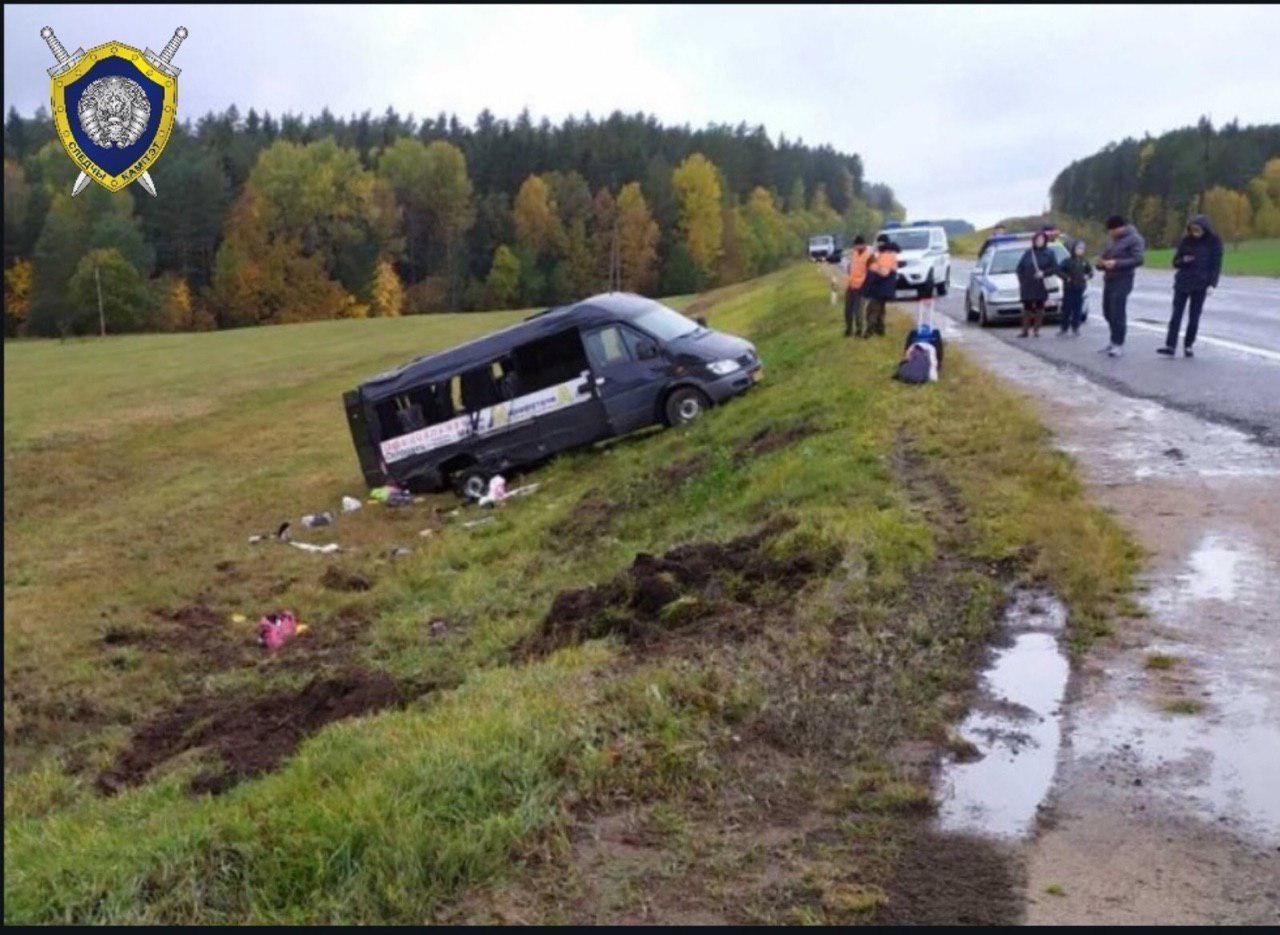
(114, 109)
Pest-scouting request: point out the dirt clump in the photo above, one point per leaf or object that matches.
(678, 472)
(705, 581)
(248, 735)
(338, 579)
(772, 437)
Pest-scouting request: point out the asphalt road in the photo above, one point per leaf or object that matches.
(1234, 377)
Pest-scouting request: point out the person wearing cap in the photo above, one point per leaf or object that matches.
(881, 284)
(859, 257)
(1124, 253)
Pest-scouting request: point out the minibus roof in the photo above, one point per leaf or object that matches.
(599, 309)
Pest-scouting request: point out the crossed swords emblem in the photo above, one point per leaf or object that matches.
(162, 63)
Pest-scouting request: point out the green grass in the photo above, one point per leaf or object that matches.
(1162, 661)
(1248, 258)
(136, 468)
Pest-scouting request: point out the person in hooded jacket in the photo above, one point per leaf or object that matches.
(1076, 273)
(1198, 260)
(1036, 265)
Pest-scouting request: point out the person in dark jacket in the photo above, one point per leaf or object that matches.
(1076, 273)
(1036, 265)
(882, 284)
(1198, 260)
(1125, 252)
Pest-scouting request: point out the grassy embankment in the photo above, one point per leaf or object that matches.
(740, 731)
(1249, 258)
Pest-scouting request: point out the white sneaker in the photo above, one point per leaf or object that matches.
(1115, 352)
(1106, 350)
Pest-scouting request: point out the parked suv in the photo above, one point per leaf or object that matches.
(924, 260)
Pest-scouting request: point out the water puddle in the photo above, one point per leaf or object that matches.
(1221, 762)
(1016, 726)
(1213, 570)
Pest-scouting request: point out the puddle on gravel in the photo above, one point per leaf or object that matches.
(1224, 760)
(1016, 725)
(1213, 570)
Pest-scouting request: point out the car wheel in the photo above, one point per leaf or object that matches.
(471, 483)
(983, 320)
(945, 284)
(927, 289)
(685, 405)
(969, 313)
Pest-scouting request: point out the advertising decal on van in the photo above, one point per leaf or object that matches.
(489, 419)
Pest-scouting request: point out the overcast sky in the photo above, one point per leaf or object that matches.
(967, 112)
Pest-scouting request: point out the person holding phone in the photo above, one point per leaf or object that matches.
(1123, 254)
(1198, 260)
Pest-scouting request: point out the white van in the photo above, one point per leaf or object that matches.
(924, 260)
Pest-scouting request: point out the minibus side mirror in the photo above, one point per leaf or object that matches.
(702, 320)
(646, 350)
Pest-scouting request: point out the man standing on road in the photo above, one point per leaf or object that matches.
(1124, 254)
(858, 258)
(1198, 260)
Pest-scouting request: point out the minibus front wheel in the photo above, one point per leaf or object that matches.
(686, 404)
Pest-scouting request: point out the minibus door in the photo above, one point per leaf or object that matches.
(628, 373)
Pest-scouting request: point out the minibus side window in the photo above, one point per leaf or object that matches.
(479, 387)
(557, 358)
(607, 347)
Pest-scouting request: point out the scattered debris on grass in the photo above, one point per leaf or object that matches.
(276, 629)
(312, 520)
(350, 504)
(328, 548)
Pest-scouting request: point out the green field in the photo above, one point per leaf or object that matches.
(1250, 258)
(739, 730)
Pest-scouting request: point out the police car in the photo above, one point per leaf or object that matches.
(993, 294)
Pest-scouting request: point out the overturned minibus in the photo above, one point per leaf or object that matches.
(562, 378)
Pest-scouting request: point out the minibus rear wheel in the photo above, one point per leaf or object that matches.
(471, 483)
(686, 404)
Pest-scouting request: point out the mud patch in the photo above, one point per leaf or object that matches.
(951, 880)
(248, 736)
(705, 582)
(338, 579)
(772, 437)
(676, 473)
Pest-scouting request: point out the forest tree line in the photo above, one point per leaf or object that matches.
(1232, 174)
(264, 220)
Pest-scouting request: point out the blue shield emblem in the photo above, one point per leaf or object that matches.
(113, 110)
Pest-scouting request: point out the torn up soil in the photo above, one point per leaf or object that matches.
(707, 583)
(772, 437)
(248, 735)
(338, 579)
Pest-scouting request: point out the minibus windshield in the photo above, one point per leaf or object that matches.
(665, 324)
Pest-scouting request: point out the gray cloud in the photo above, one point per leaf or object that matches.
(966, 111)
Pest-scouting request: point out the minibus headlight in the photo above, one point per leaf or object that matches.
(722, 367)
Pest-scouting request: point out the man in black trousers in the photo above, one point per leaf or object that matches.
(1124, 254)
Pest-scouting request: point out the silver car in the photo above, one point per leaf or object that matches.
(993, 294)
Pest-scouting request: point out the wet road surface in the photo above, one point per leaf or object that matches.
(1234, 377)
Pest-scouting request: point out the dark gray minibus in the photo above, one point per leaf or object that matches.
(565, 377)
